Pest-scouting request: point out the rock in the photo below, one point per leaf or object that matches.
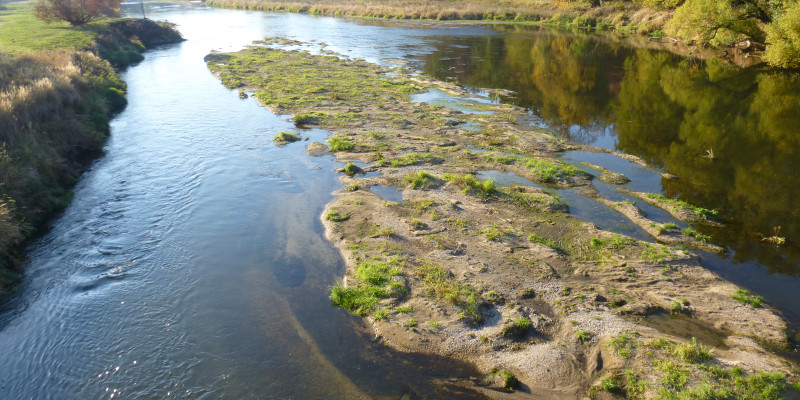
(316, 149)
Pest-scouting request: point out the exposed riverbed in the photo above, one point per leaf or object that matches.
(191, 262)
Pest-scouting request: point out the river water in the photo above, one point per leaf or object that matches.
(191, 263)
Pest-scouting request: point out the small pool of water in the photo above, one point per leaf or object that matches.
(388, 193)
(464, 104)
(642, 179)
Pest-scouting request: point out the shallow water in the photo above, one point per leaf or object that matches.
(191, 263)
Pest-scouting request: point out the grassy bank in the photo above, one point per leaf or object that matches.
(770, 27)
(58, 91)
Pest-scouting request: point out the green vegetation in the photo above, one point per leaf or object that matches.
(410, 159)
(783, 38)
(615, 242)
(508, 379)
(336, 143)
(351, 169)
(420, 180)
(583, 336)
(534, 238)
(744, 296)
(287, 137)
(335, 216)
(518, 195)
(517, 329)
(553, 171)
(442, 285)
(411, 323)
(381, 314)
(376, 284)
(691, 232)
(470, 184)
(656, 253)
(305, 81)
(698, 212)
(624, 344)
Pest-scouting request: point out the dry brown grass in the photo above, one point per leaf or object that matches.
(509, 10)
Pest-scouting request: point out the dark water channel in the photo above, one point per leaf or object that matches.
(191, 263)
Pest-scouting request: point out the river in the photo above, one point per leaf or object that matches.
(191, 263)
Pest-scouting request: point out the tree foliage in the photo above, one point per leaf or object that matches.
(76, 12)
(783, 38)
(720, 22)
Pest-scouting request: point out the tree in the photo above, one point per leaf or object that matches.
(76, 12)
(783, 38)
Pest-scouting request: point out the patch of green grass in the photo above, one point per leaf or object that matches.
(675, 374)
(376, 284)
(656, 254)
(378, 272)
(381, 314)
(351, 169)
(616, 242)
(534, 238)
(697, 235)
(433, 324)
(442, 285)
(411, 323)
(359, 299)
(410, 159)
(624, 344)
(692, 352)
(335, 216)
(523, 323)
(470, 184)
(509, 380)
(552, 171)
(286, 137)
(700, 212)
(533, 201)
(404, 309)
(494, 233)
(420, 180)
(583, 336)
(306, 119)
(21, 32)
(744, 296)
(336, 143)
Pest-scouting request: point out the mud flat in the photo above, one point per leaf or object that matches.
(502, 275)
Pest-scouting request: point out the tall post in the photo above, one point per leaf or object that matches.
(143, 16)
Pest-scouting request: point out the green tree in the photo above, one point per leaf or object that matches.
(721, 22)
(783, 38)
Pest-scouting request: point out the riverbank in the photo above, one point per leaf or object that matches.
(58, 91)
(501, 275)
